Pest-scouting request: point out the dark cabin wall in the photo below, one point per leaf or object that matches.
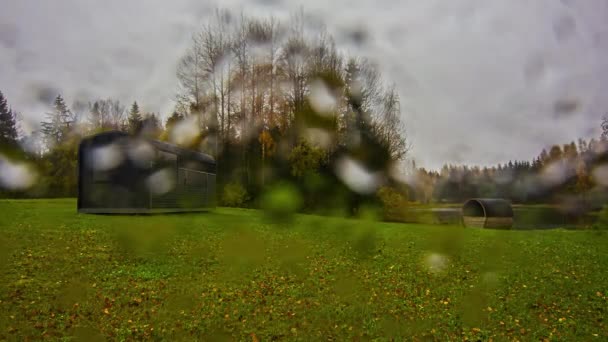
(120, 187)
(191, 174)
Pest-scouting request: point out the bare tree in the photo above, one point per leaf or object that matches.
(293, 63)
(249, 79)
(388, 126)
(106, 114)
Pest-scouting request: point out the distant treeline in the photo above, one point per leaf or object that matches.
(574, 174)
(277, 104)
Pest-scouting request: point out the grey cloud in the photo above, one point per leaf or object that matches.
(42, 93)
(8, 35)
(564, 27)
(505, 78)
(566, 106)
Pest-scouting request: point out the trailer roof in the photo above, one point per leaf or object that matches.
(110, 136)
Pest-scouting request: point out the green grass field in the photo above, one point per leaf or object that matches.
(234, 275)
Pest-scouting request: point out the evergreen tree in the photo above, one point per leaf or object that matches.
(543, 157)
(173, 119)
(58, 124)
(135, 120)
(151, 126)
(555, 153)
(605, 128)
(8, 124)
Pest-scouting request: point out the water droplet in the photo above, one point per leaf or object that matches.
(436, 262)
(107, 157)
(185, 132)
(600, 175)
(161, 182)
(554, 174)
(356, 177)
(318, 137)
(564, 28)
(534, 70)
(141, 153)
(321, 98)
(566, 107)
(15, 175)
(490, 278)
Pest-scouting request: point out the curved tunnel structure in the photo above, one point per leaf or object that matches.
(487, 213)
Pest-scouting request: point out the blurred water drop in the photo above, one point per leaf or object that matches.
(489, 278)
(356, 34)
(87, 333)
(161, 182)
(356, 89)
(403, 175)
(564, 27)
(185, 132)
(80, 105)
(43, 93)
(260, 52)
(599, 149)
(222, 64)
(600, 175)
(15, 176)
(141, 153)
(321, 98)
(319, 137)
(435, 262)
(503, 177)
(567, 3)
(281, 201)
(554, 174)
(565, 107)
(600, 40)
(356, 177)
(534, 70)
(359, 36)
(107, 157)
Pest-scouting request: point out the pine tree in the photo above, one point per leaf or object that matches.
(58, 124)
(8, 124)
(173, 119)
(543, 157)
(555, 153)
(151, 126)
(135, 120)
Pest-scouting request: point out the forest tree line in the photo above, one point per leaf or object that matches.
(574, 174)
(271, 101)
(277, 103)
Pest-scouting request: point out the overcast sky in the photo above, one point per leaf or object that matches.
(482, 81)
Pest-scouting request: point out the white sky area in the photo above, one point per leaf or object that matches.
(481, 81)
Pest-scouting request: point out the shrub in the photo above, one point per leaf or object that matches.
(281, 201)
(394, 204)
(602, 220)
(234, 194)
(305, 158)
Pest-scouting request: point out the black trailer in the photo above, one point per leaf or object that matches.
(120, 173)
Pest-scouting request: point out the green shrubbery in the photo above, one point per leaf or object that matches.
(602, 220)
(281, 201)
(304, 159)
(234, 194)
(394, 204)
